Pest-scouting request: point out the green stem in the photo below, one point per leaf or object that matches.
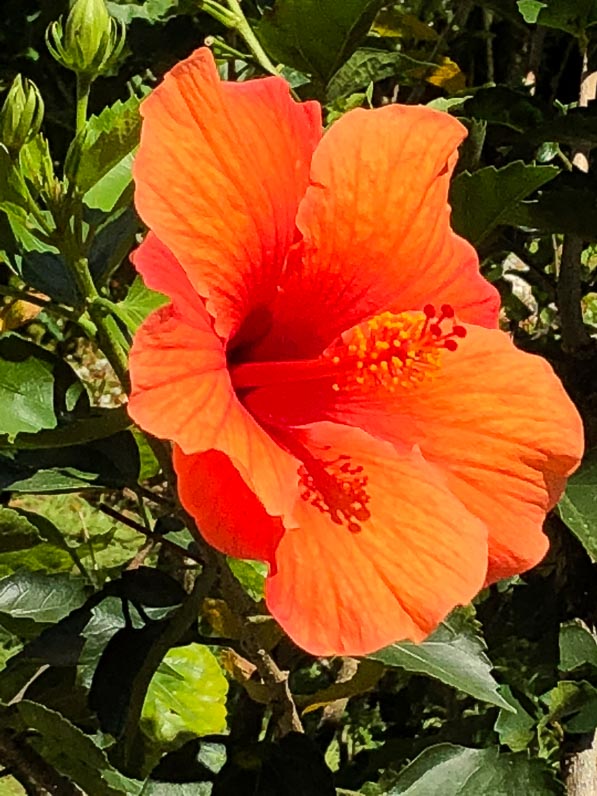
(57, 309)
(233, 17)
(111, 340)
(246, 31)
(83, 88)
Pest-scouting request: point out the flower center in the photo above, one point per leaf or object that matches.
(336, 487)
(387, 351)
(394, 351)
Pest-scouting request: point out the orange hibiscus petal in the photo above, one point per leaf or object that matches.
(161, 271)
(181, 391)
(219, 175)
(227, 512)
(498, 425)
(420, 553)
(376, 228)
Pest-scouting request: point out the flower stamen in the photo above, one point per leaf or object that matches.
(394, 351)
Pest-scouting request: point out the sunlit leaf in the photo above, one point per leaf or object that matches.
(186, 697)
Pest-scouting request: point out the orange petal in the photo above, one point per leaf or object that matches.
(226, 511)
(498, 425)
(337, 591)
(181, 391)
(376, 227)
(161, 271)
(219, 175)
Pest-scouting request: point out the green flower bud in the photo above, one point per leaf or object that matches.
(21, 115)
(89, 42)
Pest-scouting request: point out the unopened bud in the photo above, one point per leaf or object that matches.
(89, 42)
(21, 115)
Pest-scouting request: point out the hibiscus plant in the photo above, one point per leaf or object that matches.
(297, 343)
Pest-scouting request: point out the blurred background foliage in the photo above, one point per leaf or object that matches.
(109, 683)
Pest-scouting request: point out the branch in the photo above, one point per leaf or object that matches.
(575, 336)
(32, 771)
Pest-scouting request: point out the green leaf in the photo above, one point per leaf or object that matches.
(23, 547)
(578, 506)
(571, 16)
(105, 141)
(251, 575)
(111, 461)
(316, 36)
(454, 654)
(149, 10)
(578, 646)
(112, 242)
(530, 9)
(573, 704)
(29, 600)
(447, 770)
(483, 200)
(516, 730)
(98, 424)
(74, 754)
(26, 387)
(109, 189)
(186, 697)
(137, 305)
(567, 210)
(366, 66)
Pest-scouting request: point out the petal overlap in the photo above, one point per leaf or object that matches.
(181, 391)
(498, 425)
(376, 231)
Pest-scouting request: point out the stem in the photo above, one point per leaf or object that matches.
(575, 336)
(111, 339)
(83, 88)
(49, 306)
(233, 17)
(246, 31)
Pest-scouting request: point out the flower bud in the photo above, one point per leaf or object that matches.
(21, 115)
(89, 42)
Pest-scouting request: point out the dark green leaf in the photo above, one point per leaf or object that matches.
(23, 547)
(72, 753)
(32, 599)
(485, 199)
(454, 654)
(98, 424)
(515, 730)
(47, 272)
(578, 646)
(367, 66)
(111, 461)
(578, 507)
(566, 209)
(571, 16)
(447, 770)
(112, 242)
(316, 36)
(574, 705)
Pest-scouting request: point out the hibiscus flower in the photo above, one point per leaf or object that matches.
(329, 367)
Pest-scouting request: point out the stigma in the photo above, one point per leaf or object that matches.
(394, 351)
